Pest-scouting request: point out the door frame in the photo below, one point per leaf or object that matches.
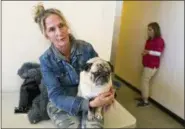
(116, 30)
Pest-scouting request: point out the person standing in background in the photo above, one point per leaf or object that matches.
(151, 60)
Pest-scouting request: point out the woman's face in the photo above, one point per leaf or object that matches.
(150, 32)
(56, 31)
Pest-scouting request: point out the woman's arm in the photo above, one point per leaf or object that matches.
(159, 47)
(154, 53)
(72, 105)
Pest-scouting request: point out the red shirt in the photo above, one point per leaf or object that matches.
(156, 44)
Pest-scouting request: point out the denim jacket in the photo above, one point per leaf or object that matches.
(62, 78)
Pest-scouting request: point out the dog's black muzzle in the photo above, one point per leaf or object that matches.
(101, 77)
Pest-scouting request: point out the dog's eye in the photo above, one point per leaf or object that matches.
(95, 73)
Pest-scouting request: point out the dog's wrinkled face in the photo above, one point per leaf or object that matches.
(99, 70)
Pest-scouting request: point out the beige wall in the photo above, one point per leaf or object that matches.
(22, 40)
(168, 84)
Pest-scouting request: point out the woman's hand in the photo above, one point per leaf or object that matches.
(103, 99)
(145, 52)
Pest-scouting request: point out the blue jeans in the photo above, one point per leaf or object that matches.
(62, 119)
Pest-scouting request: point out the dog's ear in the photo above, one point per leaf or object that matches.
(111, 66)
(87, 67)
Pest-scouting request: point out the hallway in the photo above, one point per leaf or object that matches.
(147, 117)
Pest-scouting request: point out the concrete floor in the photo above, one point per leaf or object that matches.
(147, 117)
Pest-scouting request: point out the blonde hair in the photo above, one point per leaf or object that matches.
(40, 14)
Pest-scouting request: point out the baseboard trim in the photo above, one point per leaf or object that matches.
(173, 115)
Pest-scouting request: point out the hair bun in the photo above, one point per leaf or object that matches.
(38, 12)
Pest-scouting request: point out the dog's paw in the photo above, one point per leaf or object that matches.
(98, 116)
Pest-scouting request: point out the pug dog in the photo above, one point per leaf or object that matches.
(95, 78)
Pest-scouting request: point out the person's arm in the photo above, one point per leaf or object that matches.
(72, 105)
(159, 48)
(154, 53)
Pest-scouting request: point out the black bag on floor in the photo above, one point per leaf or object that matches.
(38, 110)
(33, 94)
(29, 90)
(31, 74)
